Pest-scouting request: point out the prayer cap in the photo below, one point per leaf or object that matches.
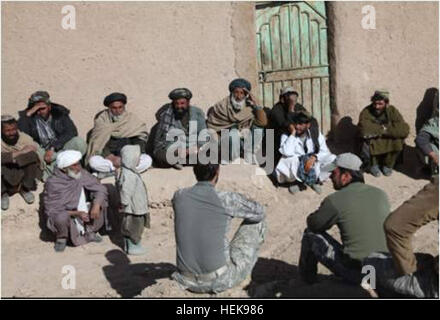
(115, 96)
(287, 90)
(382, 93)
(180, 93)
(7, 118)
(345, 160)
(67, 158)
(239, 83)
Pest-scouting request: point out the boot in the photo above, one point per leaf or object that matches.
(60, 245)
(93, 237)
(387, 171)
(317, 188)
(5, 201)
(375, 171)
(27, 196)
(293, 189)
(132, 248)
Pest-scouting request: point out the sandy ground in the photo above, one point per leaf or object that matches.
(31, 268)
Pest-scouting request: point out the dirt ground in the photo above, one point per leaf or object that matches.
(31, 268)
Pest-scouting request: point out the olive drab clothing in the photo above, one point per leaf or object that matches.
(385, 133)
(359, 210)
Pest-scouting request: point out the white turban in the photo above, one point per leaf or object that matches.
(67, 158)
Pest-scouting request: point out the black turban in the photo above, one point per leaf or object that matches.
(239, 83)
(115, 96)
(180, 93)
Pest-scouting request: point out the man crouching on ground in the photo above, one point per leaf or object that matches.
(206, 261)
(66, 205)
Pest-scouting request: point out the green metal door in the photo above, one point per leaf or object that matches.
(292, 51)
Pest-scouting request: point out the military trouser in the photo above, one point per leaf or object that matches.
(421, 284)
(321, 247)
(76, 143)
(387, 159)
(243, 254)
(133, 226)
(403, 222)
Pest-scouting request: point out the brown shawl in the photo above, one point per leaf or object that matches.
(223, 116)
(104, 128)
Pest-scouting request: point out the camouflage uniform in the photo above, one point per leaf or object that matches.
(241, 253)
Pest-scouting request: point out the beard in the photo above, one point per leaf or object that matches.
(10, 140)
(238, 105)
(118, 117)
(337, 185)
(73, 174)
(180, 113)
(378, 112)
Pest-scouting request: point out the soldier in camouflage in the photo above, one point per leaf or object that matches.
(206, 261)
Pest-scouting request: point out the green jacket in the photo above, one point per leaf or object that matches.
(385, 133)
(359, 210)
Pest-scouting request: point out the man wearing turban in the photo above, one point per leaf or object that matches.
(177, 120)
(383, 131)
(50, 125)
(241, 116)
(75, 203)
(114, 128)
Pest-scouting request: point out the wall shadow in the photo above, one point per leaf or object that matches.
(410, 164)
(129, 280)
(344, 137)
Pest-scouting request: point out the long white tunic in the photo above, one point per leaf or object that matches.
(291, 148)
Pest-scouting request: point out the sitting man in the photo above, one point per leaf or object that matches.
(303, 155)
(182, 121)
(49, 124)
(427, 140)
(245, 120)
(403, 272)
(114, 128)
(22, 162)
(66, 199)
(359, 211)
(383, 132)
(206, 261)
(279, 117)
